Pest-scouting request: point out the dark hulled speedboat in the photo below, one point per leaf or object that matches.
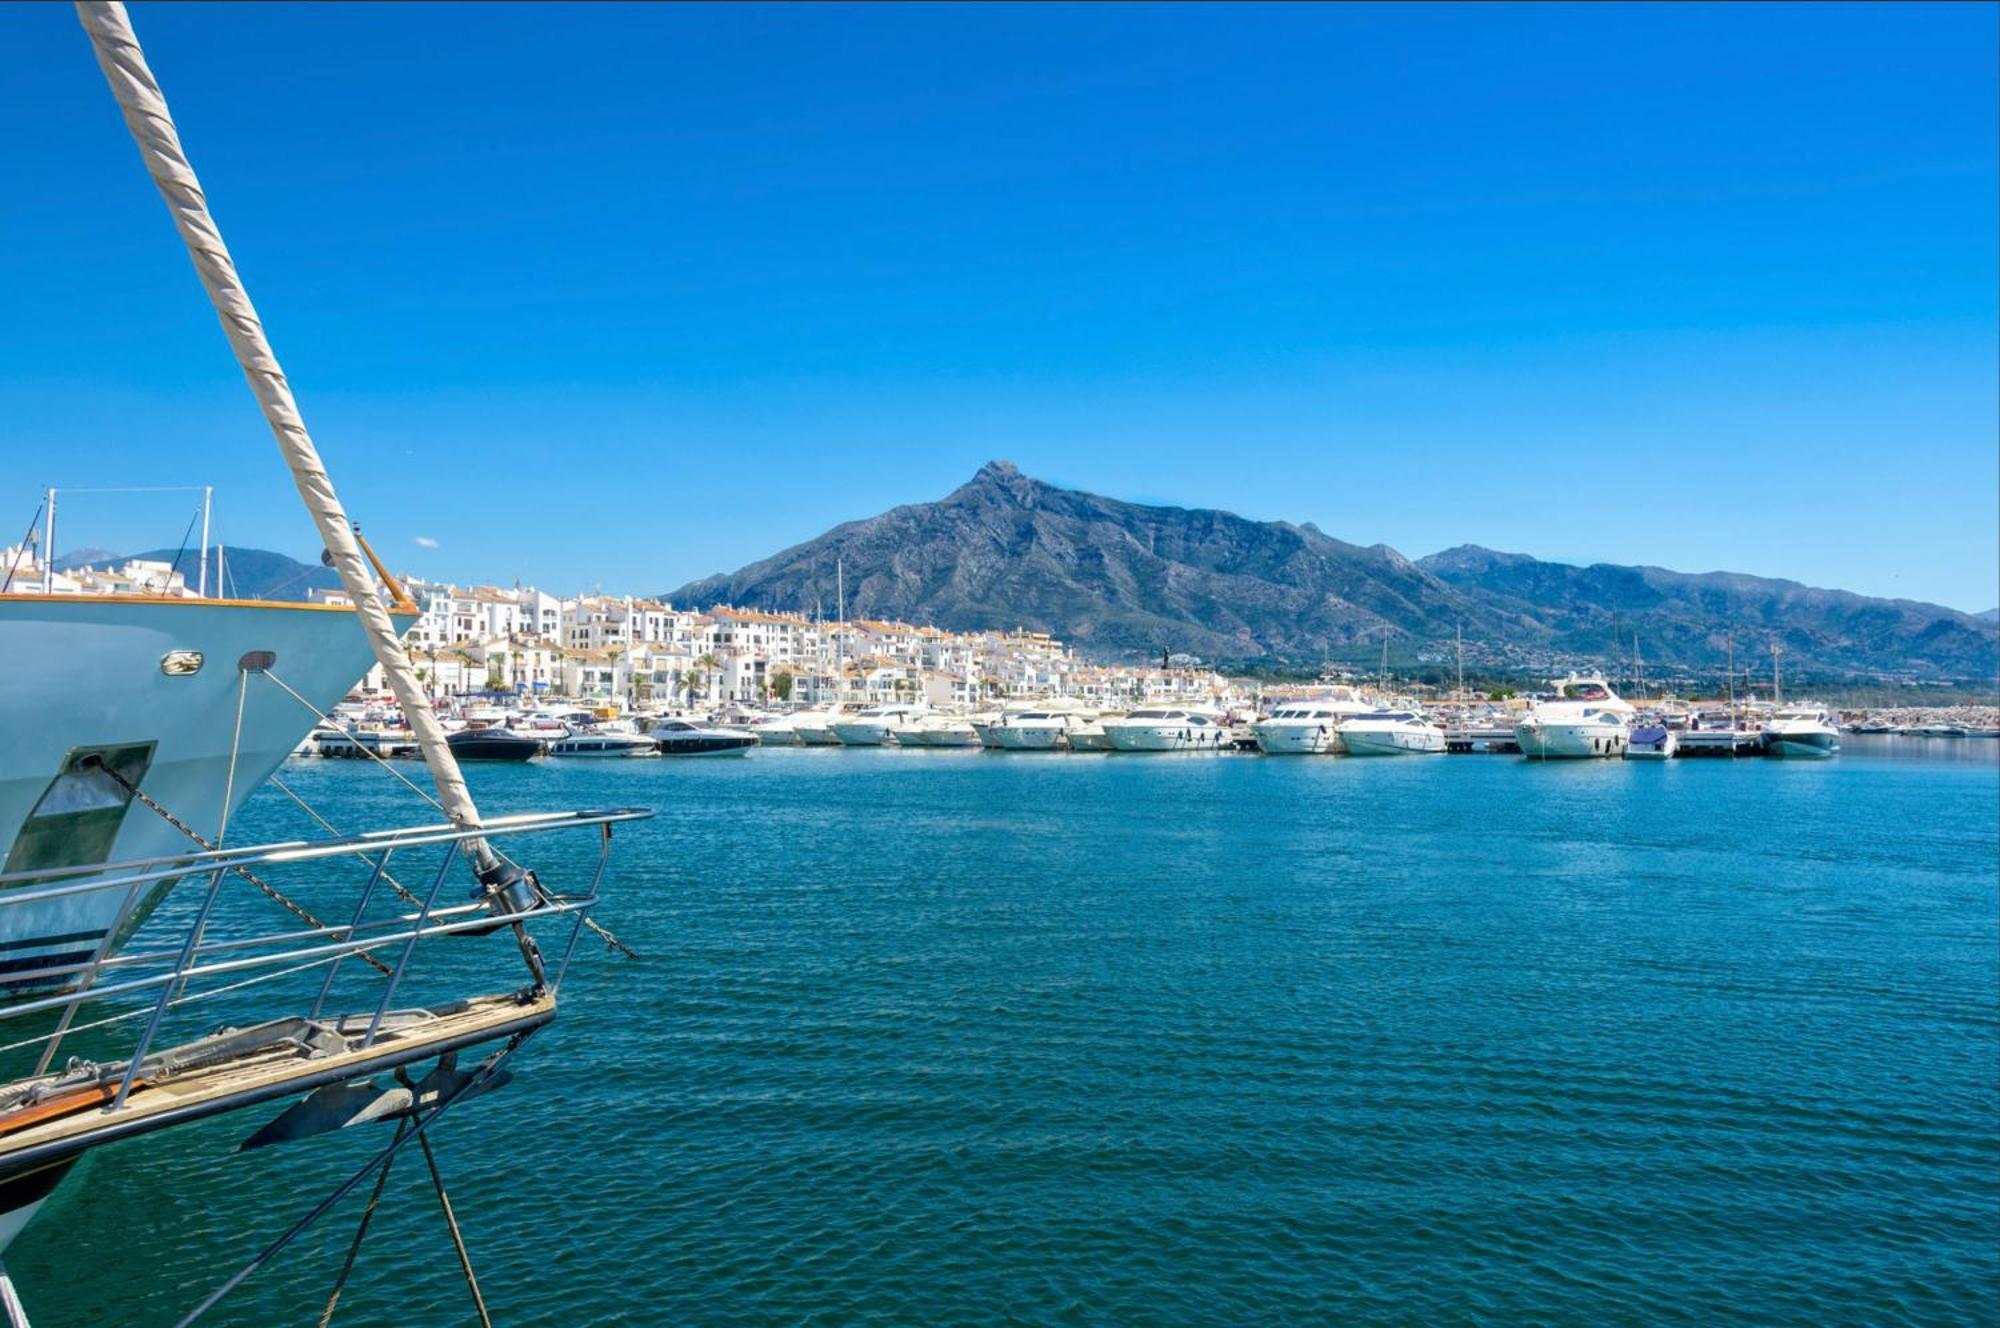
(494, 744)
(686, 737)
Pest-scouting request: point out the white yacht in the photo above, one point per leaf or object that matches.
(1090, 736)
(777, 731)
(1168, 728)
(1307, 725)
(1036, 730)
(877, 725)
(605, 741)
(814, 728)
(939, 731)
(1390, 733)
(1802, 729)
(1585, 719)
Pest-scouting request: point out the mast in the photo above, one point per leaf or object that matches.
(151, 124)
(207, 505)
(1777, 679)
(1638, 666)
(1732, 680)
(49, 547)
(1461, 661)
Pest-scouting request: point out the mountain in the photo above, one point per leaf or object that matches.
(1990, 616)
(251, 573)
(1692, 617)
(1124, 579)
(1118, 578)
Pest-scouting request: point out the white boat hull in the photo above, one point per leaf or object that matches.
(861, 733)
(1801, 747)
(1563, 742)
(1009, 738)
(1170, 737)
(88, 676)
(1397, 742)
(1297, 738)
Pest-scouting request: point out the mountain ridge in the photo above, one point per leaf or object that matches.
(1121, 578)
(251, 573)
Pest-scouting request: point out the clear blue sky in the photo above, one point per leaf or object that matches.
(1699, 287)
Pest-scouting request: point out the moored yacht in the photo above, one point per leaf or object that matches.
(877, 725)
(939, 731)
(814, 728)
(1307, 726)
(1802, 730)
(494, 743)
(777, 731)
(693, 737)
(605, 741)
(1390, 733)
(1090, 736)
(1168, 728)
(1652, 742)
(1036, 730)
(1584, 719)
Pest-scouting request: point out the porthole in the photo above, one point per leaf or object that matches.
(180, 663)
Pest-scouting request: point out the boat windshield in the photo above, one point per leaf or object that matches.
(1585, 691)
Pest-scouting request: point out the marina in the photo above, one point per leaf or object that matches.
(1025, 1076)
(1025, 906)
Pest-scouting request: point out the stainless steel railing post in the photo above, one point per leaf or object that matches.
(167, 988)
(416, 931)
(381, 866)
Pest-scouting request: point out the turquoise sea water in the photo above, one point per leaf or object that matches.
(959, 1037)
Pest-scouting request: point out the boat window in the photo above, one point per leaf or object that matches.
(1585, 691)
(1148, 714)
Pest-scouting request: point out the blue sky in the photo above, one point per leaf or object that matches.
(627, 295)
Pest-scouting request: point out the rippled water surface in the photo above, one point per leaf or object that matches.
(960, 1037)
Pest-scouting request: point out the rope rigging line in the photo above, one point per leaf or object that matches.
(329, 827)
(418, 1125)
(602, 933)
(360, 1230)
(174, 566)
(372, 755)
(450, 1218)
(276, 894)
(27, 541)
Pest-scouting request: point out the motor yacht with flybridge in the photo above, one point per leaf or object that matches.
(132, 921)
(1391, 733)
(877, 726)
(1168, 728)
(1583, 719)
(1043, 729)
(1308, 725)
(1803, 730)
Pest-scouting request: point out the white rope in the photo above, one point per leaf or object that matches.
(152, 128)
